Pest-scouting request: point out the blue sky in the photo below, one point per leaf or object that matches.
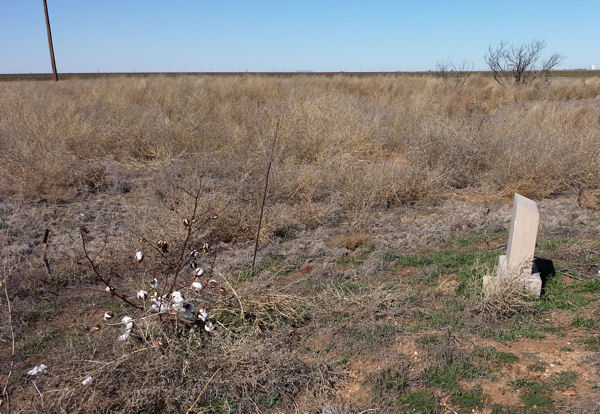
(270, 35)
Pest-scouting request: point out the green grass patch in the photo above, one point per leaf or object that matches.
(549, 246)
(537, 367)
(440, 319)
(271, 400)
(503, 409)
(563, 380)
(536, 395)
(447, 378)
(468, 401)
(350, 260)
(418, 402)
(428, 340)
(589, 286)
(273, 264)
(512, 331)
(39, 345)
(389, 382)
(585, 323)
(557, 330)
(350, 287)
(219, 406)
(560, 296)
(591, 344)
(467, 265)
(490, 353)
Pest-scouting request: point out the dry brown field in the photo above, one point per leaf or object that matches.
(388, 200)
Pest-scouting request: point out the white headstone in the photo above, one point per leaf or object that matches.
(522, 236)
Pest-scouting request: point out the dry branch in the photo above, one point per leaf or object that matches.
(264, 199)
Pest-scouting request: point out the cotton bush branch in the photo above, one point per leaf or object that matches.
(99, 276)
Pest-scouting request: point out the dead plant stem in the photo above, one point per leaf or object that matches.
(264, 199)
(189, 410)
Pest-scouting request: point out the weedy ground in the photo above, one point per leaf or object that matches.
(389, 200)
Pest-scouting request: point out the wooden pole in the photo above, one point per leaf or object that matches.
(54, 74)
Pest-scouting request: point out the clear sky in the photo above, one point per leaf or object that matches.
(286, 35)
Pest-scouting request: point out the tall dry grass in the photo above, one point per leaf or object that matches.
(346, 145)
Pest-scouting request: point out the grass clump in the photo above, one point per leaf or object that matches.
(560, 296)
(563, 380)
(468, 401)
(418, 402)
(428, 339)
(536, 396)
(390, 382)
(589, 286)
(490, 353)
(447, 378)
(581, 322)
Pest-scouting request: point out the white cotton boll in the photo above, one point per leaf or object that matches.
(107, 289)
(154, 283)
(202, 314)
(108, 315)
(38, 369)
(86, 381)
(197, 286)
(158, 306)
(139, 256)
(188, 310)
(209, 326)
(142, 294)
(177, 297)
(127, 323)
(198, 272)
(124, 337)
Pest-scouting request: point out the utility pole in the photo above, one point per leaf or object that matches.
(54, 74)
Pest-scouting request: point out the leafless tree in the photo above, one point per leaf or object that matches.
(521, 64)
(448, 71)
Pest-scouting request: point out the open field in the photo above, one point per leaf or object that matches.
(389, 199)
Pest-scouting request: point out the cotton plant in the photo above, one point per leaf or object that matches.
(183, 292)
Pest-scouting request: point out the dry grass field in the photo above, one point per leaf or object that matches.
(388, 200)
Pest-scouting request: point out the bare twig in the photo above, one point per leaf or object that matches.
(114, 361)
(102, 278)
(182, 260)
(157, 249)
(44, 248)
(39, 392)
(189, 410)
(264, 199)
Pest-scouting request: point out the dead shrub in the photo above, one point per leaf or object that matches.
(352, 240)
(506, 296)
